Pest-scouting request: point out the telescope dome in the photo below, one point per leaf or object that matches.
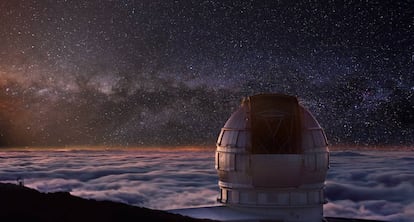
(272, 157)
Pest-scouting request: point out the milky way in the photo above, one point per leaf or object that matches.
(157, 72)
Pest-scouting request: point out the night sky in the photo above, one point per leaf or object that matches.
(158, 72)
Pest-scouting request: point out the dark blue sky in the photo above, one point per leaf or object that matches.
(171, 72)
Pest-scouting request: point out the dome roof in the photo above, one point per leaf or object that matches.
(273, 121)
(239, 119)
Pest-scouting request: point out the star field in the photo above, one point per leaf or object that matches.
(171, 72)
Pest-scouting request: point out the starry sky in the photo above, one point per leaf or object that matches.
(144, 73)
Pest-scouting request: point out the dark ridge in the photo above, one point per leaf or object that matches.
(19, 203)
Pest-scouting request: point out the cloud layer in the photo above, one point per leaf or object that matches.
(155, 179)
(371, 185)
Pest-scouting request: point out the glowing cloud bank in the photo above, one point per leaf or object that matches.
(371, 185)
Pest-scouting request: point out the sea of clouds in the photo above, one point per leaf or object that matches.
(370, 185)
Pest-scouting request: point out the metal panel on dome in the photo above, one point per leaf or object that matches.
(275, 124)
(238, 120)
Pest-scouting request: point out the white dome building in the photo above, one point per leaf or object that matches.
(272, 158)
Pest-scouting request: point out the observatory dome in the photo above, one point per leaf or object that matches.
(272, 158)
